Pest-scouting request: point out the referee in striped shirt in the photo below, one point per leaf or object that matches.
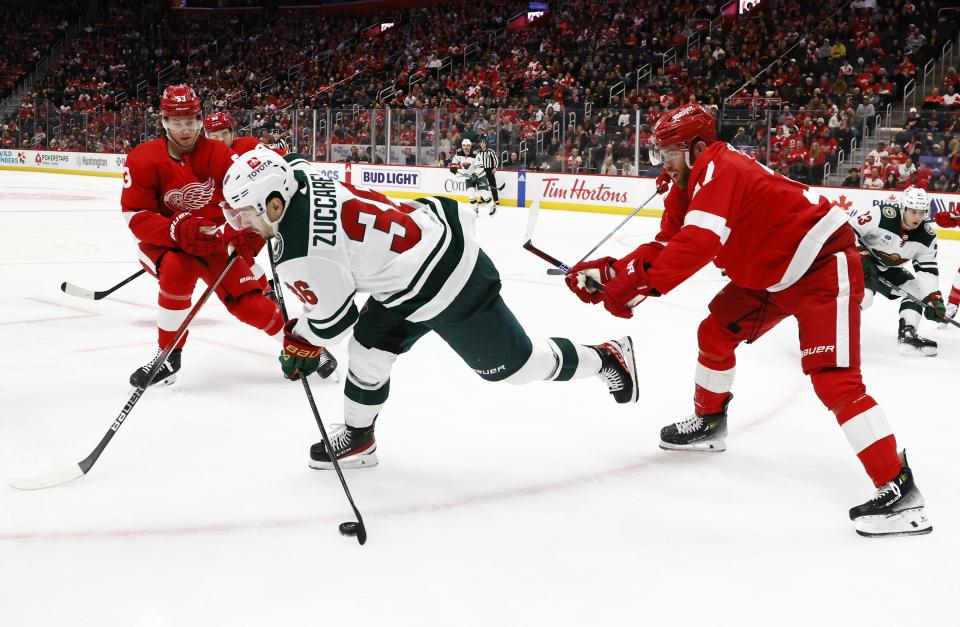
(487, 159)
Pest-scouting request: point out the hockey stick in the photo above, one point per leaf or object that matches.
(532, 215)
(914, 299)
(82, 292)
(357, 529)
(565, 270)
(78, 470)
(897, 290)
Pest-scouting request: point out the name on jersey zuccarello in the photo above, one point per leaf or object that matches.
(324, 223)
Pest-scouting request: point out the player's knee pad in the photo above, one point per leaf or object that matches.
(238, 282)
(368, 367)
(716, 342)
(256, 310)
(837, 387)
(178, 273)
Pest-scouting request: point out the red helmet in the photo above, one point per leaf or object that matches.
(683, 125)
(218, 122)
(179, 101)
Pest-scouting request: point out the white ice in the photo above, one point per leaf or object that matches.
(492, 505)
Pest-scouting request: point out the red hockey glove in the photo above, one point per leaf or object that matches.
(196, 235)
(627, 289)
(645, 254)
(663, 182)
(947, 219)
(247, 243)
(936, 309)
(600, 270)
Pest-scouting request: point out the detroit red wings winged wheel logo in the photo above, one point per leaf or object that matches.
(189, 197)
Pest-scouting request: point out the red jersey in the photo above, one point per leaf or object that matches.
(764, 229)
(245, 144)
(157, 187)
(248, 143)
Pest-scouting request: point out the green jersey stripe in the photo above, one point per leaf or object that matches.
(449, 213)
(337, 313)
(443, 243)
(336, 329)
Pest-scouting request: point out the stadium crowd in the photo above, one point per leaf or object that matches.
(576, 90)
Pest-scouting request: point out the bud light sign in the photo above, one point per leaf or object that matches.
(390, 178)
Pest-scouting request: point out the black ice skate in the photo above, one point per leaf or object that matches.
(494, 207)
(913, 344)
(897, 508)
(166, 375)
(618, 369)
(354, 448)
(697, 433)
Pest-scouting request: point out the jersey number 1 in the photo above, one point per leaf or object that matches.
(384, 219)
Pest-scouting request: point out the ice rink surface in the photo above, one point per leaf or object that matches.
(492, 505)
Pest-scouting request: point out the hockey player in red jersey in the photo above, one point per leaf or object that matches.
(948, 220)
(171, 201)
(220, 126)
(787, 252)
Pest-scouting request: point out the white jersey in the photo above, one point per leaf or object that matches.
(879, 228)
(336, 240)
(465, 165)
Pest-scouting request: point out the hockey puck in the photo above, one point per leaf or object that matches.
(354, 530)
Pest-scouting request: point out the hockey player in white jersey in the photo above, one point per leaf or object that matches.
(466, 166)
(423, 268)
(891, 234)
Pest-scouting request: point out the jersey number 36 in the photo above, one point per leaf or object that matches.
(384, 219)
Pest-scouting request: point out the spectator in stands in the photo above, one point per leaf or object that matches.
(942, 184)
(354, 155)
(872, 179)
(608, 167)
(891, 182)
(816, 159)
(512, 162)
(867, 112)
(933, 99)
(838, 50)
(853, 178)
(951, 98)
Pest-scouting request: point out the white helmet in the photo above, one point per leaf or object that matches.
(466, 143)
(250, 181)
(915, 198)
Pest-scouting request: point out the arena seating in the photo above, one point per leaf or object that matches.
(577, 90)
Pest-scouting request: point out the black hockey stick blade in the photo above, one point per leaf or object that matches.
(82, 292)
(559, 265)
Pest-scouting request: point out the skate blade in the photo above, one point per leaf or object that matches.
(928, 351)
(163, 383)
(708, 446)
(368, 460)
(910, 522)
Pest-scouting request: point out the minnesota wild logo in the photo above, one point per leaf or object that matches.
(277, 245)
(889, 209)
